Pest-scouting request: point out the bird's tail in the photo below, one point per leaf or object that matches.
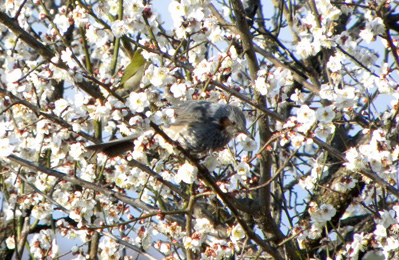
(113, 148)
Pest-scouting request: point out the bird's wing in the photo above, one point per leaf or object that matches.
(194, 111)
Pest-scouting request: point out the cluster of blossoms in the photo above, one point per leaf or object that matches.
(376, 156)
(319, 215)
(382, 242)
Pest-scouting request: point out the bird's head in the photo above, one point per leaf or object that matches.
(234, 123)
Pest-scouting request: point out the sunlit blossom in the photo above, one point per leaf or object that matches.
(187, 173)
(138, 101)
(325, 114)
(237, 233)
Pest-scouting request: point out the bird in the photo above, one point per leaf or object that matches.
(133, 74)
(250, 8)
(199, 127)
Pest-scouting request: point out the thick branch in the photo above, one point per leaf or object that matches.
(45, 52)
(246, 38)
(207, 178)
(11, 24)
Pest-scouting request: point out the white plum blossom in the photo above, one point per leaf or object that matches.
(302, 237)
(261, 85)
(237, 233)
(10, 242)
(41, 211)
(80, 16)
(102, 112)
(61, 106)
(306, 116)
(328, 11)
(119, 28)
(318, 169)
(385, 86)
(62, 22)
(204, 70)
(139, 156)
(307, 183)
(321, 39)
(164, 248)
(225, 157)
(42, 242)
(380, 232)
(135, 7)
(359, 244)
(369, 155)
(187, 173)
(98, 36)
(392, 243)
(190, 243)
(280, 78)
(217, 33)
(242, 169)
(298, 97)
(159, 76)
(145, 239)
(355, 160)
(315, 231)
(374, 26)
(346, 183)
(323, 214)
(297, 141)
(178, 90)
(325, 114)
(387, 218)
(334, 63)
(247, 143)
(13, 75)
(162, 117)
(5, 147)
(379, 161)
(109, 248)
(210, 162)
(323, 131)
(346, 97)
(138, 101)
(327, 92)
(76, 151)
(194, 11)
(305, 48)
(203, 225)
(67, 57)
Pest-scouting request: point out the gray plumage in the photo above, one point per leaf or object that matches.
(200, 126)
(250, 8)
